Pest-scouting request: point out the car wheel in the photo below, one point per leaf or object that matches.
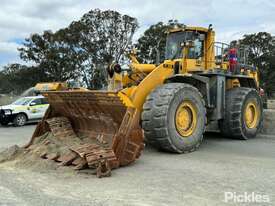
(20, 120)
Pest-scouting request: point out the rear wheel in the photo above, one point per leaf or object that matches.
(174, 118)
(20, 120)
(244, 113)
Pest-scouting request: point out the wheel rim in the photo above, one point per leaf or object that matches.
(21, 120)
(251, 115)
(186, 118)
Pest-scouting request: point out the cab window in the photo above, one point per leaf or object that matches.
(44, 101)
(173, 44)
(36, 102)
(196, 51)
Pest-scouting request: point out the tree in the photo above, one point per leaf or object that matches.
(17, 78)
(261, 53)
(84, 49)
(154, 40)
(100, 38)
(50, 55)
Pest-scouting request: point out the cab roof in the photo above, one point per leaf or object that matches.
(189, 28)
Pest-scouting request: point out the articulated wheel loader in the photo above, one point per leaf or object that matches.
(169, 105)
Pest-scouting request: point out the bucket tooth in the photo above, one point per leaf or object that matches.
(53, 156)
(68, 159)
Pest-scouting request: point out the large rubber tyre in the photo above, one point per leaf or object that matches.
(234, 123)
(159, 113)
(20, 120)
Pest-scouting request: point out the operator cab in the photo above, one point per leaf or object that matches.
(194, 46)
(176, 40)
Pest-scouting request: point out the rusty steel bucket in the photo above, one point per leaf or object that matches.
(109, 132)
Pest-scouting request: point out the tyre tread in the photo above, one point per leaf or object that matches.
(156, 108)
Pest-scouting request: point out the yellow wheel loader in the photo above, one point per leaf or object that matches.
(169, 105)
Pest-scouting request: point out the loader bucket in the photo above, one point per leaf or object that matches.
(98, 130)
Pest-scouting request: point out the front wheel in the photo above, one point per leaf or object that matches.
(20, 120)
(174, 118)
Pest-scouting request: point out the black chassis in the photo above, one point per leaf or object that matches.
(6, 118)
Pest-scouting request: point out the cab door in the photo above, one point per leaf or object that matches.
(195, 57)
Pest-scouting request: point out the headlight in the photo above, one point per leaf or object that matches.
(7, 112)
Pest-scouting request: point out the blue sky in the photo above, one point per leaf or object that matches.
(231, 18)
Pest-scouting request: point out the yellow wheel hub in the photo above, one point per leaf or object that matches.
(186, 118)
(251, 115)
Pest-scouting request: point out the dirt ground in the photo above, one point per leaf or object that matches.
(200, 178)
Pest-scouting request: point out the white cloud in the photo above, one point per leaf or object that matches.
(8, 47)
(231, 18)
(8, 53)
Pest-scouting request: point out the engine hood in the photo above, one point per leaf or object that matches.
(11, 107)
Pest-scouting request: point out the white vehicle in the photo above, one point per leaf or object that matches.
(23, 110)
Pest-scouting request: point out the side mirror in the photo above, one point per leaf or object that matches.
(32, 104)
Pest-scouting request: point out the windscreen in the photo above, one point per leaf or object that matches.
(22, 101)
(173, 44)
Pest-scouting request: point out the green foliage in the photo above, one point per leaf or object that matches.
(98, 39)
(50, 55)
(78, 52)
(16, 78)
(261, 53)
(153, 41)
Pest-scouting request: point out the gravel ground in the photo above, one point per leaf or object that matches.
(200, 178)
(15, 135)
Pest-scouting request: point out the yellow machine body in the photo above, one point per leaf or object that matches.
(154, 75)
(113, 116)
(51, 86)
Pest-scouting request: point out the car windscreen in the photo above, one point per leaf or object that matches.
(22, 101)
